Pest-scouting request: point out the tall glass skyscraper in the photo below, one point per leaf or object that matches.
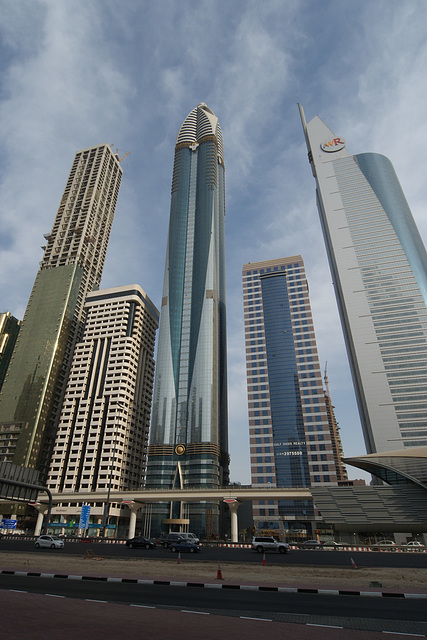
(379, 270)
(189, 432)
(74, 255)
(293, 432)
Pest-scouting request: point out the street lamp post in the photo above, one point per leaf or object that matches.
(106, 513)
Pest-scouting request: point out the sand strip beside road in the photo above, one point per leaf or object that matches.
(408, 580)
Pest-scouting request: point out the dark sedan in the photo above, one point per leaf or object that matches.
(185, 546)
(310, 544)
(140, 542)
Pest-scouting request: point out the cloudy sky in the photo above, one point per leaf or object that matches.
(75, 73)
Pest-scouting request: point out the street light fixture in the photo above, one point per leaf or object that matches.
(106, 513)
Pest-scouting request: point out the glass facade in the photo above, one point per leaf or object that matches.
(9, 330)
(292, 436)
(379, 268)
(189, 434)
(285, 397)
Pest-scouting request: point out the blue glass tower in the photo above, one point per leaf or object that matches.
(379, 269)
(292, 436)
(189, 433)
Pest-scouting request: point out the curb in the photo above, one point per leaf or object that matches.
(207, 585)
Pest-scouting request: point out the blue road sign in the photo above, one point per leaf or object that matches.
(84, 516)
(8, 524)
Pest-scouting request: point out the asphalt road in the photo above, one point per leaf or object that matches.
(353, 613)
(326, 558)
(392, 615)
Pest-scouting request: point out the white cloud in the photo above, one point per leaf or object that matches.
(76, 74)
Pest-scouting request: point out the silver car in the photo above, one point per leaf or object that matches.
(268, 543)
(384, 544)
(413, 545)
(50, 542)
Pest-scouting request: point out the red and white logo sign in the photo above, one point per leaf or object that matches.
(330, 146)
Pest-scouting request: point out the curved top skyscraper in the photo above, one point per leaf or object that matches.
(189, 434)
(379, 269)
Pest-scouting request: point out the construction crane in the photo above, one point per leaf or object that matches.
(123, 157)
(326, 379)
(117, 154)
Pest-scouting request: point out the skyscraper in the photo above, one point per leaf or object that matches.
(189, 436)
(379, 271)
(102, 436)
(74, 256)
(291, 435)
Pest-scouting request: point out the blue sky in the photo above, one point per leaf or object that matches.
(75, 73)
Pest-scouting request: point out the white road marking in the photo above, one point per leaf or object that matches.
(328, 626)
(90, 600)
(202, 613)
(398, 633)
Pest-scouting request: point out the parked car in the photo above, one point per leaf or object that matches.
(310, 544)
(184, 546)
(51, 542)
(384, 544)
(268, 543)
(140, 541)
(416, 545)
(170, 538)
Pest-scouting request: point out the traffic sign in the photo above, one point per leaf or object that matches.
(84, 516)
(8, 524)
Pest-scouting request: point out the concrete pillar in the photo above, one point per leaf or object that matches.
(41, 508)
(133, 508)
(132, 523)
(233, 505)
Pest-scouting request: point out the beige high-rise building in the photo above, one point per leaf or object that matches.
(74, 256)
(102, 437)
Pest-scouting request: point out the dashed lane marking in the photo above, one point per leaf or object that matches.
(91, 600)
(202, 613)
(328, 626)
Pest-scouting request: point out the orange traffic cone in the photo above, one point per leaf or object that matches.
(263, 559)
(179, 558)
(353, 564)
(219, 572)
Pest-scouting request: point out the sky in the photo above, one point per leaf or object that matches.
(77, 73)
